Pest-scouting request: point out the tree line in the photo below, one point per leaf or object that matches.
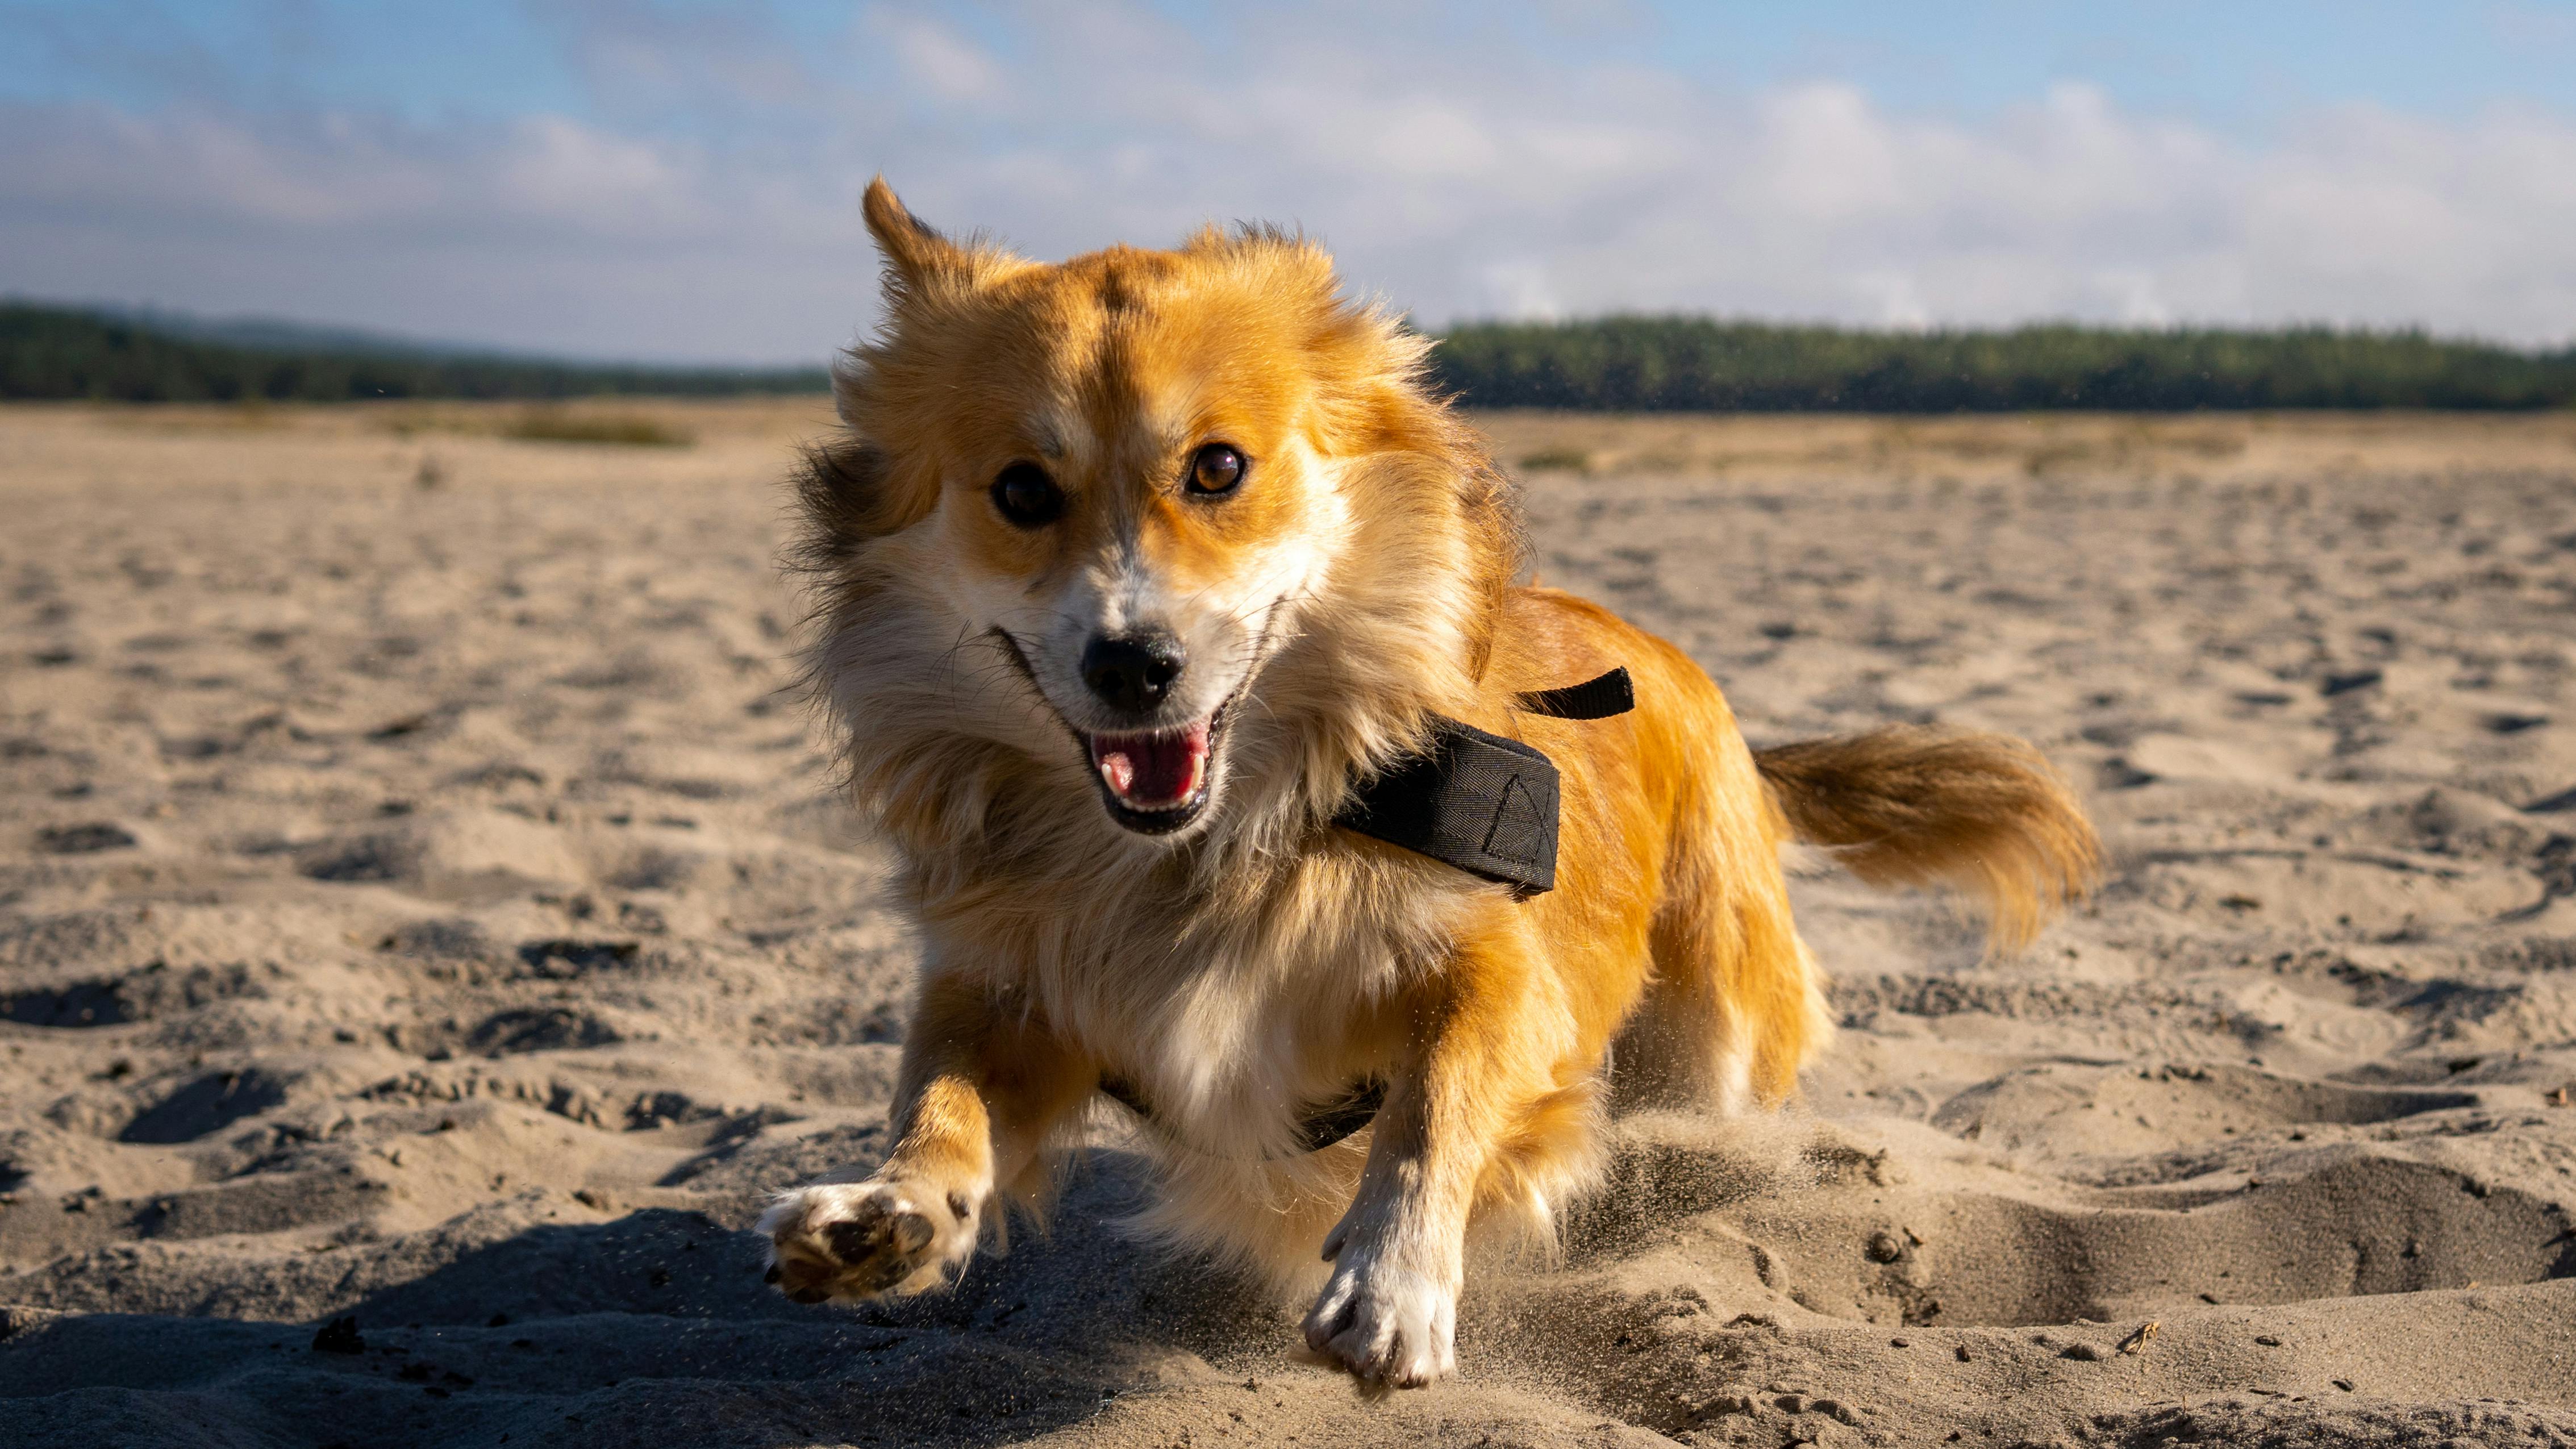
(64, 353)
(1689, 364)
(1619, 364)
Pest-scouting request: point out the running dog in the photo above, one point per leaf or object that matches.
(1169, 626)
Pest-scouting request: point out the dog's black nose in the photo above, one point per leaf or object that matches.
(1132, 673)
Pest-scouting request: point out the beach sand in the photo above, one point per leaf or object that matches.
(427, 934)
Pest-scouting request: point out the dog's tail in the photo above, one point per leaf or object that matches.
(1909, 805)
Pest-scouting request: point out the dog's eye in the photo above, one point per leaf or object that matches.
(1217, 468)
(1027, 496)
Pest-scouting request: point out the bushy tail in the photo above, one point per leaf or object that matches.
(1909, 805)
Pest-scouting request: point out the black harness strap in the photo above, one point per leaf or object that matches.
(1124, 1093)
(1318, 1127)
(1611, 693)
(1482, 803)
(1323, 1126)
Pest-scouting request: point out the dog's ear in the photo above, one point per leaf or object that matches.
(917, 257)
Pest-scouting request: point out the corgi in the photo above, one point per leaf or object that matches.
(1133, 576)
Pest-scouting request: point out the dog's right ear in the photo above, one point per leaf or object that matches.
(917, 258)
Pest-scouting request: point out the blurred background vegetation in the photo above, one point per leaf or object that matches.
(1613, 364)
(64, 353)
(1684, 364)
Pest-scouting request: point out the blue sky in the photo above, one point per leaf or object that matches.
(679, 180)
(2239, 67)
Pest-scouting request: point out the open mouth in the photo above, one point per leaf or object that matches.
(1155, 781)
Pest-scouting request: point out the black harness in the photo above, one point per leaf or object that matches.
(1482, 803)
(1318, 1127)
(1478, 801)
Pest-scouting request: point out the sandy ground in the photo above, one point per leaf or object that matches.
(424, 938)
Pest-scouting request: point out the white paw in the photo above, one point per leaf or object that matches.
(866, 1239)
(1387, 1324)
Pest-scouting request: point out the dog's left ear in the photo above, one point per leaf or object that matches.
(917, 257)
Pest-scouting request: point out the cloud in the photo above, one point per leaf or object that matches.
(945, 64)
(704, 207)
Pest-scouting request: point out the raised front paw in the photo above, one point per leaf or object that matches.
(1386, 1324)
(866, 1239)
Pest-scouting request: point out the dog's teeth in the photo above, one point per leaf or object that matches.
(1119, 771)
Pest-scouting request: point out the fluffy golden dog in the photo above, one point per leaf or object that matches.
(1129, 571)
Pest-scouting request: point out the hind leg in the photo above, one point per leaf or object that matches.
(1735, 1004)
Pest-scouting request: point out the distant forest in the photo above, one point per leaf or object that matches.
(1619, 364)
(62, 353)
(1684, 364)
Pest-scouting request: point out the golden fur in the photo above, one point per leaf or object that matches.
(1261, 961)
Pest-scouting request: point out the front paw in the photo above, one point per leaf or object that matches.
(1386, 1324)
(866, 1239)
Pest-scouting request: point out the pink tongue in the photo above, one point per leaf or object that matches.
(1150, 770)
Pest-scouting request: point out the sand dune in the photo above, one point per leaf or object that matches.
(425, 936)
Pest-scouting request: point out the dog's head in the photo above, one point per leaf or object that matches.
(1157, 489)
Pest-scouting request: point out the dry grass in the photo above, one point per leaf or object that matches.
(1557, 460)
(618, 429)
(649, 424)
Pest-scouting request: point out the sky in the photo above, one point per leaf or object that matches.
(679, 181)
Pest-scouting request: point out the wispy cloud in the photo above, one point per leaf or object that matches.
(702, 205)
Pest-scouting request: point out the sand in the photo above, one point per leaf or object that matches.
(425, 936)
